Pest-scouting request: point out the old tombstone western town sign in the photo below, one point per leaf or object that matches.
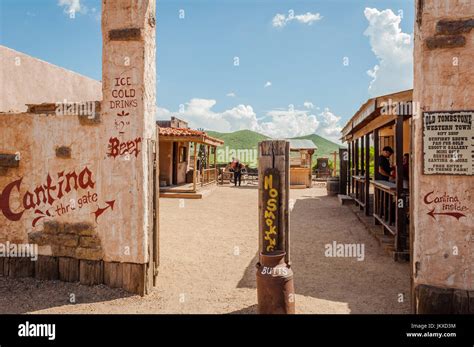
(448, 144)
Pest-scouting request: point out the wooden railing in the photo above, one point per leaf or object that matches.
(385, 212)
(359, 190)
(384, 204)
(208, 176)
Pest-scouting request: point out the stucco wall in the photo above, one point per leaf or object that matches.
(27, 80)
(443, 245)
(108, 157)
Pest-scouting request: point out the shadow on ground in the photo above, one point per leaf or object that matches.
(23, 295)
(369, 286)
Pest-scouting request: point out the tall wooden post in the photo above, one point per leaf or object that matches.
(274, 276)
(195, 166)
(376, 154)
(216, 173)
(349, 167)
(343, 172)
(401, 237)
(367, 175)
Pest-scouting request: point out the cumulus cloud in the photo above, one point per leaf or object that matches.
(394, 50)
(268, 84)
(231, 95)
(309, 105)
(72, 7)
(276, 123)
(281, 20)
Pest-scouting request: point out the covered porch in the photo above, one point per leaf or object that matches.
(188, 162)
(382, 122)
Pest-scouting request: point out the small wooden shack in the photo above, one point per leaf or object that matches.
(187, 161)
(301, 164)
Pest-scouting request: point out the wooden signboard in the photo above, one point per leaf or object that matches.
(270, 212)
(448, 143)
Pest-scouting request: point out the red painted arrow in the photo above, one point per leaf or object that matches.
(102, 210)
(456, 215)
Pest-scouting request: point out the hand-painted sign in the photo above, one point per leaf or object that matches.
(47, 199)
(447, 205)
(271, 210)
(448, 143)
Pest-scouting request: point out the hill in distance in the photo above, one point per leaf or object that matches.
(247, 139)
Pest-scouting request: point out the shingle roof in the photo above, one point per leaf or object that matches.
(181, 132)
(302, 144)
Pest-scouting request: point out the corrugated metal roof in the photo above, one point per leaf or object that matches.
(302, 144)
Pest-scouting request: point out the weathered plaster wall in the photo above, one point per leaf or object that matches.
(39, 142)
(441, 85)
(27, 80)
(106, 212)
(128, 109)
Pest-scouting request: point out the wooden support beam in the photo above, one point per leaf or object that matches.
(195, 166)
(349, 167)
(400, 203)
(376, 154)
(367, 175)
(343, 159)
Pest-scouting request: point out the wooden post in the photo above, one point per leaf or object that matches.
(362, 155)
(195, 167)
(343, 172)
(274, 276)
(349, 167)
(400, 217)
(216, 173)
(367, 174)
(376, 154)
(334, 168)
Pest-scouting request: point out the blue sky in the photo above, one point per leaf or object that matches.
(299, 57)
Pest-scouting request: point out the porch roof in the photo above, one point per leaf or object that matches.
(187, 135)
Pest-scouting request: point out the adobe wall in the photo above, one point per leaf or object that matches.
(443, 218)
(27, 80)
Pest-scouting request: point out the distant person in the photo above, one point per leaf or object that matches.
(237, 172)
(385, 169)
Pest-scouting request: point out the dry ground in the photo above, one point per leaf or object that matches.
(208, 256)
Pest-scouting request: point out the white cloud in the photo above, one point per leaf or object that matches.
(72, 7)
(231, 95)
(281, 20)
(309, 105)
(277, 123)
(394, 50)
(268, 84)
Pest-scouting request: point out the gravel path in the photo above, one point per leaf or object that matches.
(208, 254)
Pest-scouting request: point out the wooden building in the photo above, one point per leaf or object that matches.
(301, 164)
(187, 161)
(382, 121)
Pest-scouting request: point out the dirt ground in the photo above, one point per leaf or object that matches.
(208, 255)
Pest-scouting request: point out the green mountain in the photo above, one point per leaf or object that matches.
(244, 139)
(247, 139)
(326, 148)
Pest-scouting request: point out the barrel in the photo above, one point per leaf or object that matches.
(332, 186)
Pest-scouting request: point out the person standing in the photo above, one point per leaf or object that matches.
(237, 172)
(385, 169)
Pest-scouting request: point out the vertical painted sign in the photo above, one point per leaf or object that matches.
(271, 210)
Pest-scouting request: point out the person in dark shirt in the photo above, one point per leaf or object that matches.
(385, 169)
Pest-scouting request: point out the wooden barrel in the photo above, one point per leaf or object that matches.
(332, 186)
